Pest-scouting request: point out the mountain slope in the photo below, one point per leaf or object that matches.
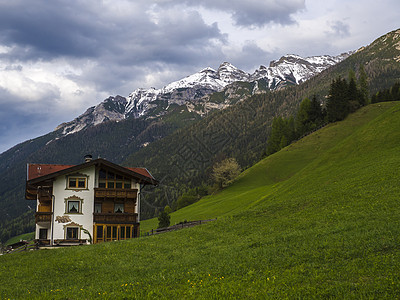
(260, 181)
(192, 90)
(326, 227)
(241, 130)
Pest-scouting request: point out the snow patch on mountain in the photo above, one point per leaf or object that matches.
(291, 69)
(111, 109)
(295, 69)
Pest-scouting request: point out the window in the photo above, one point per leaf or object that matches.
(73, 206)
(111, 233)
(110, 184)
(114, 232)
(118, 207)
(97, 208)
(125, 232)
(72, 233)
(109, 237)
(100, 232)
(77, 183)
(111, 180)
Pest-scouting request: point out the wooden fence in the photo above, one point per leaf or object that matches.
(177, 227)
(26, 247)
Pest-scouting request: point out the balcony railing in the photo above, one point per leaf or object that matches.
(115, 218)
(45, 194)
(43, 217)
(115, 193)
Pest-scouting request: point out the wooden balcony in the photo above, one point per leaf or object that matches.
(102, 193)
(115, 218)
(44, 196)
(43, 217)
(33, 193)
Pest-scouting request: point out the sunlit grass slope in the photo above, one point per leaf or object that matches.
(257, 182)
(26, 236)
(320, 218)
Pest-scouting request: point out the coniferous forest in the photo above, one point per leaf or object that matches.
(345, 97)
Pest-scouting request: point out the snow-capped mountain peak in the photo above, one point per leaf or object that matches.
(296, 69)
(228, 73)
(206, 77)
(289, 69)
(111, 109)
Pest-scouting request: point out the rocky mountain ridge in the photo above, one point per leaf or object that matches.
(194, 89)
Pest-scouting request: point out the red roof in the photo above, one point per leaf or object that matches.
(38, 170)
(142, 171)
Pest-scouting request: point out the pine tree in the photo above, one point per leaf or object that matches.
(303, 118)
(353, 95)
(275, 137)
(363, 83)
(315, 113)
(395, 91)
(164, 219)
(338, 100)
(282, 134)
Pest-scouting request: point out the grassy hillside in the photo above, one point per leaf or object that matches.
(242, 130)
(258, 181)
(26, 236)
(319, 219)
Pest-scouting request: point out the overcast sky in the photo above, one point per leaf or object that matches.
(59, 57)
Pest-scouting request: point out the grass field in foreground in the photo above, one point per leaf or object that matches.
(321, 218)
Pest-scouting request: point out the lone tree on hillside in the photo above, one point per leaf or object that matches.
(164, 219)
(225, 171)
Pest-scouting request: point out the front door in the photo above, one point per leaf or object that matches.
(43, 234)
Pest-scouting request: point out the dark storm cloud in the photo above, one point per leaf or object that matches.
(178, 38)
(21, 121)
(116, 41)
(252, 13)
(50, 29)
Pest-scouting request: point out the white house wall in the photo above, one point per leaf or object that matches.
(136, 185)
(84, 219)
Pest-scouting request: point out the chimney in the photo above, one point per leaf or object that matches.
(88, 158)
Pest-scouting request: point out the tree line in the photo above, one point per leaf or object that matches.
(345, 97)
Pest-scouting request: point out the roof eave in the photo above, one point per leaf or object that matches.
(97, 162)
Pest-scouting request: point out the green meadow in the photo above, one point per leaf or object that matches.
(26, 236)
(318, 219)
